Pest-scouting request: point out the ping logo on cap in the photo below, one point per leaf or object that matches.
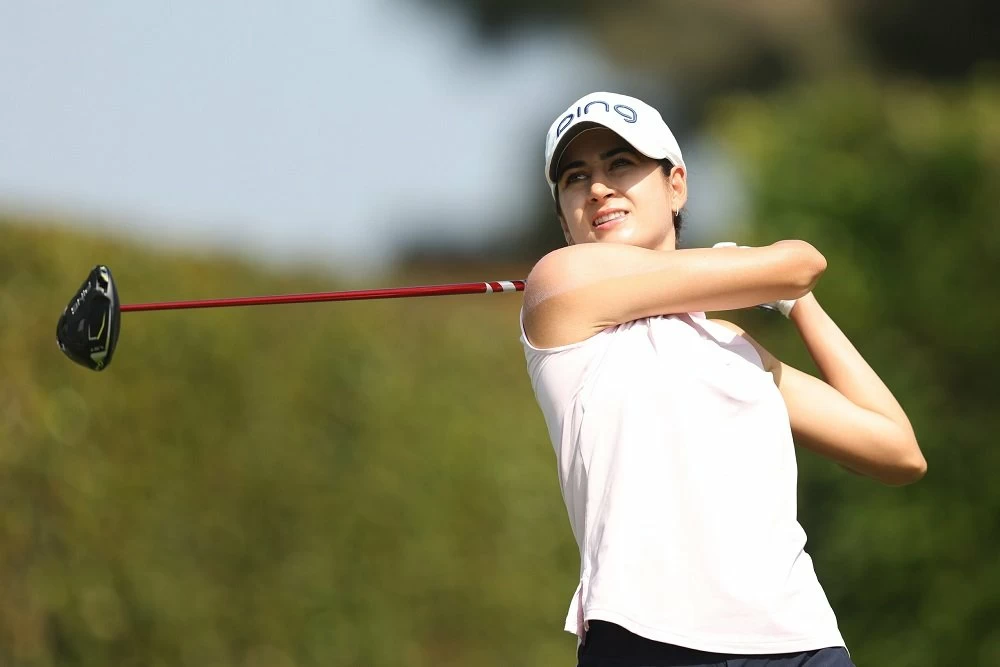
(625, 111)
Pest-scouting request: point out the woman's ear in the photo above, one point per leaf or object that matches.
(677, 182)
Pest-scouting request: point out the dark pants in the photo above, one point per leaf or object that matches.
(610, 645)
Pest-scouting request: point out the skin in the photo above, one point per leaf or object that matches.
(601, 172)
(630, 268)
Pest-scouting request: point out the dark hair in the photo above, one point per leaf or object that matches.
(666, 165)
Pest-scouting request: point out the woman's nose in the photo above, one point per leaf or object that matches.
(599, 189)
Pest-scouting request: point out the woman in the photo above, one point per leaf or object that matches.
(673, 432)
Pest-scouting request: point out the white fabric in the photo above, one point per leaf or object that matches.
(677, 466)
(632, 119)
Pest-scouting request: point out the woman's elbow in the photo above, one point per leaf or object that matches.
(909, 466)
(807, 266)
(916, 467)
(815, 267)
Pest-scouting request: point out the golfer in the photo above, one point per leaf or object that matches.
(673, 433)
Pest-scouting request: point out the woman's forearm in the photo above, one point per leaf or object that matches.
(841, 365)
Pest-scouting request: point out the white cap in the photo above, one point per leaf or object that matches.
(633, 120)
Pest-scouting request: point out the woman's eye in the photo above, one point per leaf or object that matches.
(620, 162)
(574, 177)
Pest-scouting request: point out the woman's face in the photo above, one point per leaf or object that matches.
(610, 193)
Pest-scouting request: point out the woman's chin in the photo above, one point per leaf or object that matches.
(618, 234)
(627, 236)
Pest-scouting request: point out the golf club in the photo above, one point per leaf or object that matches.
(96, 306)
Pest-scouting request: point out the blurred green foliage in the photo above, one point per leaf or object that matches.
(371, 483)
(899, 186)
(710, 45)
(364, 483)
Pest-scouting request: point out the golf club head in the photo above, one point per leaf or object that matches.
(87, 331)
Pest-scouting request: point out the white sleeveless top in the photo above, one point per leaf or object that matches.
(677, 467)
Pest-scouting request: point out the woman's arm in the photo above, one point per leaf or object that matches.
(576, 291)
(852, 418)
(859, 423)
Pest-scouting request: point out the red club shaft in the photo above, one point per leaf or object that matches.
(353, 295)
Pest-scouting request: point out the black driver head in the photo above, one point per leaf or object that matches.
(87, 331)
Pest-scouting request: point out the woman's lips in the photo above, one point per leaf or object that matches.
(609, 219)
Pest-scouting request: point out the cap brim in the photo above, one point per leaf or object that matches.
(566, 140)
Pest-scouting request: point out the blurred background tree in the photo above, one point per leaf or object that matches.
(897, 184)
(713, 45)
(697, 50)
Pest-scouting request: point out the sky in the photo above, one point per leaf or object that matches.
(339, 131)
